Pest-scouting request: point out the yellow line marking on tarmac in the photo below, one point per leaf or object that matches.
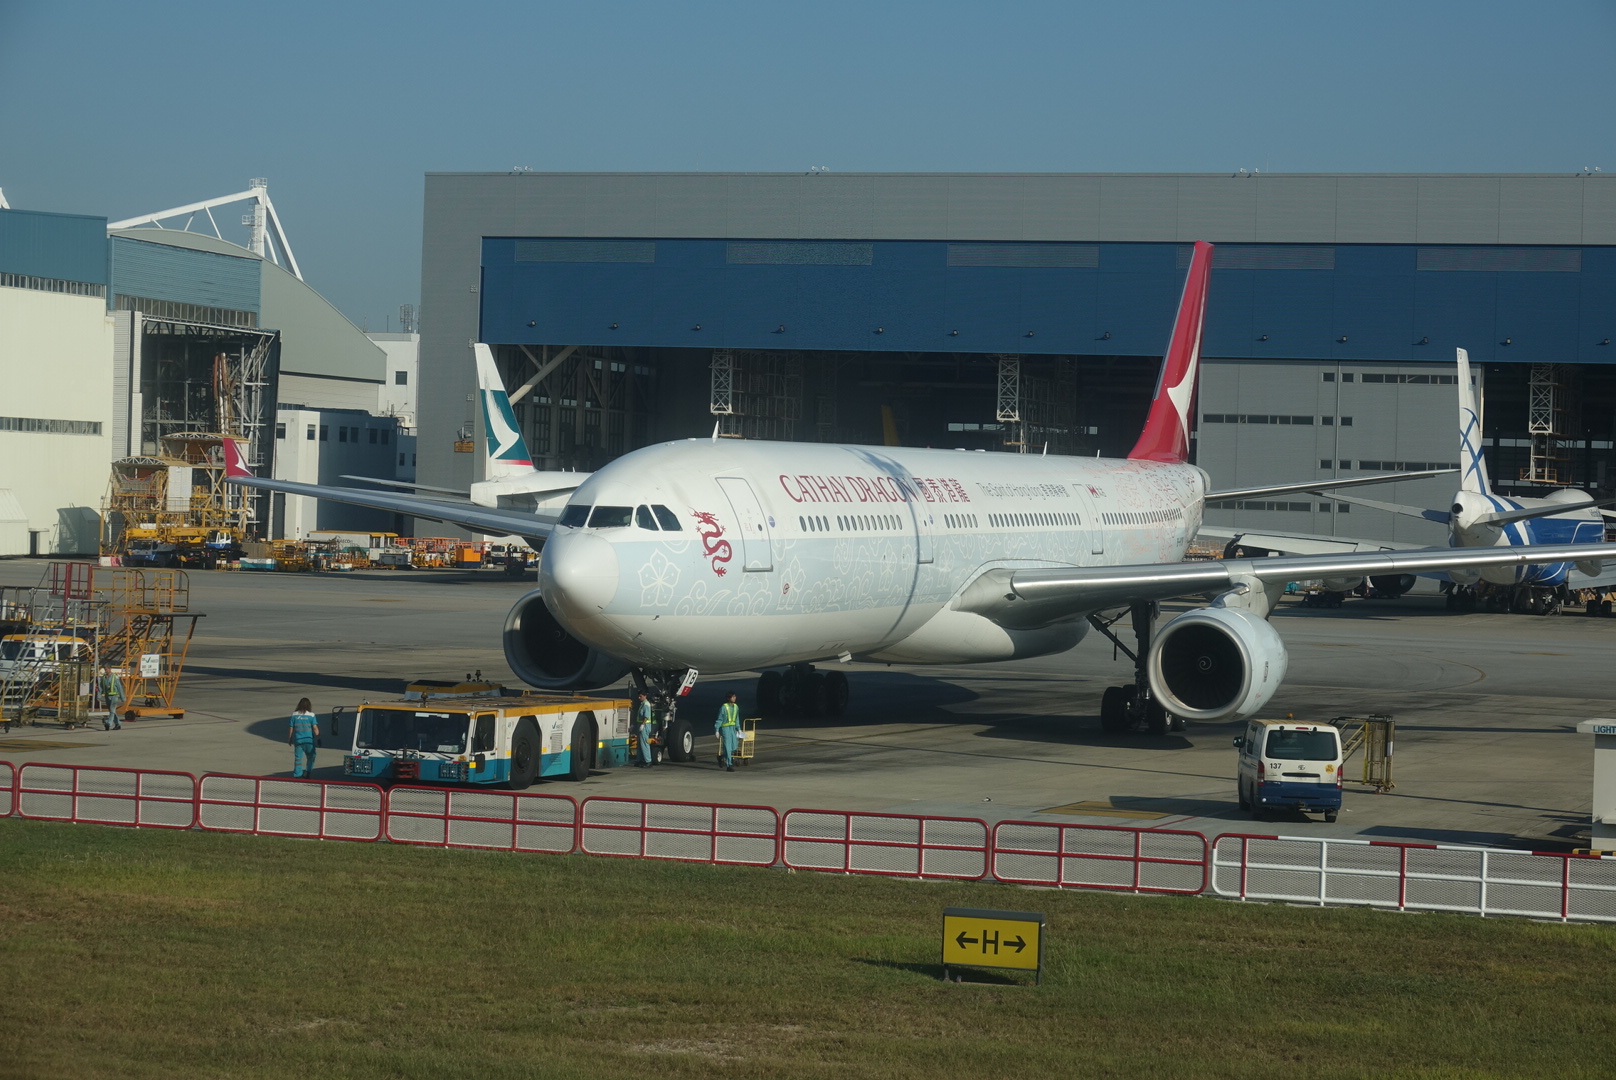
(1103, 809)
(42, 744)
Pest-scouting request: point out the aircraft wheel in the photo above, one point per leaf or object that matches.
(818, 695)
(768, 693)
(1155, 717)
(1175, 723)
(836, 693)
(681, 742)
(1114, 710)
(525, 754)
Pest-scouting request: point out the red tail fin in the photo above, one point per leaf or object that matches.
(233, 465)
(1167, 430)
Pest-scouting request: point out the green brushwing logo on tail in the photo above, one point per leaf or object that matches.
(505, 442)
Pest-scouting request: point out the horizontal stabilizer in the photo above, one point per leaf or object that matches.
(1509, 517)
(1441, 516)
(407, 485)
(1325, 485)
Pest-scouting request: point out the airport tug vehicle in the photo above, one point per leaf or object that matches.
(1285, 765)
(510, 740)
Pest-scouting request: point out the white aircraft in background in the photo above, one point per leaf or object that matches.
(1476, 518)
(509, 478)
(725, 556)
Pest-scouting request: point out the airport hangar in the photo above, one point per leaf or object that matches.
(1018, 311)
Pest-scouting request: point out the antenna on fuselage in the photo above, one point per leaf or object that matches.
(715, 429)
(1046, 448)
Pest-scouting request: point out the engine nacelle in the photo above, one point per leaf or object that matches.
(543, 654)
(1392, 585)
(1342, 584)
(1216, 663)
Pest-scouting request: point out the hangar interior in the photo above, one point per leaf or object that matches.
(1007, 312)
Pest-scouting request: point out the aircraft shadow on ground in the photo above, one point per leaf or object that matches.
(878, 697)
(391, 687)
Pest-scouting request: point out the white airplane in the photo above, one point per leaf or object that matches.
(1476, 518)
(509, 478)
(725, 556)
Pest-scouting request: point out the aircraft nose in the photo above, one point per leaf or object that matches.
(578, 573)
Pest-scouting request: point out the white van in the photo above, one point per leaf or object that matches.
(1290, 766)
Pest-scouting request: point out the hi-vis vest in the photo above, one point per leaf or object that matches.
(729, 714)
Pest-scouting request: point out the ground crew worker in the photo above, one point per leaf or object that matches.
(728, 730)
(112, 694)
(302, 735)
(642, 717)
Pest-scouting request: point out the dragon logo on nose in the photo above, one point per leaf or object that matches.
(719, 551)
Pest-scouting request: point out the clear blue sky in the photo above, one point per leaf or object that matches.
(121, 108)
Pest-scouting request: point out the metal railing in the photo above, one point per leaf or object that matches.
(1240, 866)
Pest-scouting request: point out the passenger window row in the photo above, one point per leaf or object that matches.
(1030, 521)
(654, 518)
(1146, 517)
(959, 521)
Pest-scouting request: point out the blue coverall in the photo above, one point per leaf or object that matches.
(728, 730)
(303, 729)
(112, 692)
(642, 714)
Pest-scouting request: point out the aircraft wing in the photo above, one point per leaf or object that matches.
(479, 518)
(1025, 599)
(1325, 485)
(1301, 543)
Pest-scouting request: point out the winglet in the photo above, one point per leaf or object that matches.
(1471, 459)
(1167, 429)
(233, 465)
(506, 452)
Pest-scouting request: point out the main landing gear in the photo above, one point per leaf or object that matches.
(1134, 707)
(799, 690)
(671, 738)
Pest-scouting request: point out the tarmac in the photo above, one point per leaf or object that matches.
(1486, 709)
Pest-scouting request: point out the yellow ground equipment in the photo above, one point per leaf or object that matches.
(175, 509)
(1376, 736)
(747, 747)
(81, 620)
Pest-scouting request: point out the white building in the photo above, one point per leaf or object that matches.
(56, 384)
(396, 396)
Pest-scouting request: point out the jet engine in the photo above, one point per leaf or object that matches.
(1216, 663)
(1392, 585)
(1342, 584)
(542, 653)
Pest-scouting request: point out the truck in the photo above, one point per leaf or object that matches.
(511, 740)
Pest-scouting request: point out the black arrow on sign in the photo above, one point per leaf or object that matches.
(963, 941)
(1017, 942)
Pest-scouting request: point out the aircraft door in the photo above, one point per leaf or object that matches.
(757, 539)
(1091, 519)
(923, 527)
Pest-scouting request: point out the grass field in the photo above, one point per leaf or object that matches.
(129, 953)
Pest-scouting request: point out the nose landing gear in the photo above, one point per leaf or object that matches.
(672, 738)
(1134, 707)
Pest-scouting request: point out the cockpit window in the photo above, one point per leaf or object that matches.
(643, 518)
(575, 515)
(611, 517)
(670, 523)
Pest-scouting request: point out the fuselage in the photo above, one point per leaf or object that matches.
(788, 552)
(1580, 526)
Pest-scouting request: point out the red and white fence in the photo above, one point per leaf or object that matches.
(693, 832)
(1423, 877)
(894, 845)
(1324, 871)
(150, 798)
(496, 820)
(323, 810)
(1099, 857)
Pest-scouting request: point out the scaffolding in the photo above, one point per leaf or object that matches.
(578, 406)
(1548, 403)
(1376, 736)
(80, 620)
(757, 394)
(175, 509)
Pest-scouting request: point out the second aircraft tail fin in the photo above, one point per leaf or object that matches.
(505, 451)
(1472, 461)
(1172, 411)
